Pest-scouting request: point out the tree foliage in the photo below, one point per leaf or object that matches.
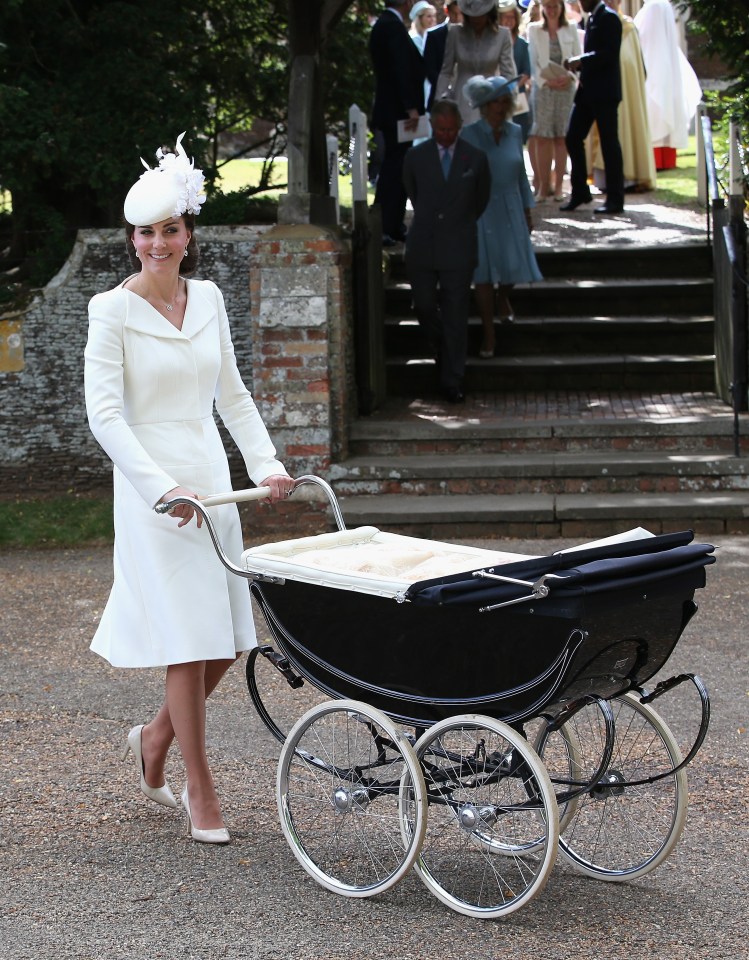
(89, 86)
(723, 23)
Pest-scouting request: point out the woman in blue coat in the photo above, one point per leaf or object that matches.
(505, 252)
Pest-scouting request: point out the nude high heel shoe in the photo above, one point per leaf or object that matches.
(162, 795)
(217, 835)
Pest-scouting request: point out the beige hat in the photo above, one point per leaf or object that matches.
(169, 190)
(476, 8)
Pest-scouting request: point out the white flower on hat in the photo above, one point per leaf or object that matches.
(173, 188)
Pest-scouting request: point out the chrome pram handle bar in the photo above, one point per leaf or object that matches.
(242, 496)
(538, 589)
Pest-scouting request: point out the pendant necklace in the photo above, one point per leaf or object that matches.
(170, 306)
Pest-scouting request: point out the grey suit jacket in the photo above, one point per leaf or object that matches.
(443, 232)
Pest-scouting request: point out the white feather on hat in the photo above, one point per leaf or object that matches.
(173, 188)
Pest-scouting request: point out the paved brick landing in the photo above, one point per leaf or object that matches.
(579, 406)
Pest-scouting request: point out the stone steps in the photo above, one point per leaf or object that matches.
(586, 297)
(569, 336)
(597, 345)
(661, 262)
(373, 439)
(545, 515)
(410, 376)
(686, 259)
(542, 472)
(602, 319)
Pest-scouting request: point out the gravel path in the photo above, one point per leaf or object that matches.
(92, 870)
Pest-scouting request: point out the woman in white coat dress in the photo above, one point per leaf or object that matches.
(159, 355)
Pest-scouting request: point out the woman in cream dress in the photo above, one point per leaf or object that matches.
(552, 41)
(159, 355)
(478, 46)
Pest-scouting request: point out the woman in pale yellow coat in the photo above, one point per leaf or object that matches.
(634, 128)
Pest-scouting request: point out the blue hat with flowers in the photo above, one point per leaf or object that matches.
(481, 90)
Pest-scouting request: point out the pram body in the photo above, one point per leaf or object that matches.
(487, 709)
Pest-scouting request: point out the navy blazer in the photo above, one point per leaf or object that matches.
(443, 233)
(399, 71)
(600, 76)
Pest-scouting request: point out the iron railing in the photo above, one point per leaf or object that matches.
(726, 233)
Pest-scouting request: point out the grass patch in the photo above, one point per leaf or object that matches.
(239, 174)
(71, 520)
(678, 187)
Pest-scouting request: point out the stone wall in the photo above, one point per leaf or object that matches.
(286, 292)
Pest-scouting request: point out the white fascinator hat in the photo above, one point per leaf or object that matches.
(173, 188)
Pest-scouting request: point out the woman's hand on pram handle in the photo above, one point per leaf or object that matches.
(274, 488)
(279, 485)
(182, 511)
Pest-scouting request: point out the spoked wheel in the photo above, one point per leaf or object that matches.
(490, 800)
(339, 791)
(625, 826)
(561, 757)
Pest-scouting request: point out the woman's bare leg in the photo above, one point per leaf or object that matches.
(158, 735)
(504, 307)
(533, 155)
(185, 697)
(545, 152)
(560, 165)
(485, 303)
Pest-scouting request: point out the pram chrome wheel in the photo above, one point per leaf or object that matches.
(339, 789)
(627, 824)
(492, 828)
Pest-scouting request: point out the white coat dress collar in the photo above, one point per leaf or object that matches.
(143, 317)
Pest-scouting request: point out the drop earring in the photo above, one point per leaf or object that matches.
(185, 253)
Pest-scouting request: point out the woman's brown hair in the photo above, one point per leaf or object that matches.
(562, 15)
(492, 16)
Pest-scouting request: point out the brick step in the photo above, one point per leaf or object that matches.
(609, 297)
(407, 376)
(684, 260)
(687, 436)
(548, 515)
(563, 336)
(540, 472)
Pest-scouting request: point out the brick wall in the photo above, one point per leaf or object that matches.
(287, 295)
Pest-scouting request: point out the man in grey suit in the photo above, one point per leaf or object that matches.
(448, 183)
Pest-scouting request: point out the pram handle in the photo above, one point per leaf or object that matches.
(236, 496)
(257, 493)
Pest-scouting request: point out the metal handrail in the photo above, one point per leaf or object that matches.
(728, 238)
